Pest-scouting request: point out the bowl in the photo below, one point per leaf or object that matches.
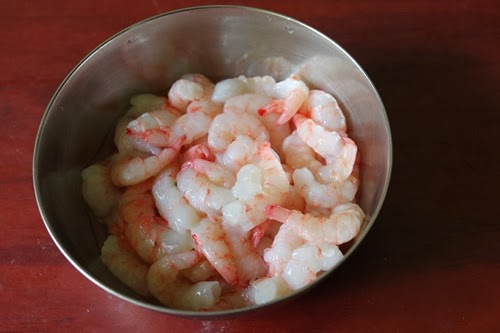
(219, 42)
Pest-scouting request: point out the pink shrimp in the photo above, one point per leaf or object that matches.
(338, 150)
(340, 227)
(324, 109)
(130, 170)
(294, 92)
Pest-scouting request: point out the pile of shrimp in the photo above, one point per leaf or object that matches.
(226, 195)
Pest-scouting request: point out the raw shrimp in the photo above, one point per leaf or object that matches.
(280, 252)
(258, 185)
(202, 270)
(210, 240)
(173, 290)
(249, 263)
(339, 151)
(268, 289)
(121, 260)
(184, 91)
(171, 204)
(147, 232)
(201, 193)
(324, 195)
(99, 191)
(228, 88)
(298, 154)
(307, 261)
(269, 116)
(340, 227)
(242, 151)
(206, 83)
(250, 103)
(129, 170)
(197, 151)
(227, 126)
(294, 92)
(191, 126)
(324, 110)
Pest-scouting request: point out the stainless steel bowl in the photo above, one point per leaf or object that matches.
(217, 41)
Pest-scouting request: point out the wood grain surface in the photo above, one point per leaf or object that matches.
(431, 263)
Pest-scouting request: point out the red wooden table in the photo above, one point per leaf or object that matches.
(431, 263)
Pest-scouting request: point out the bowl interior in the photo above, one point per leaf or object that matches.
(219, 42)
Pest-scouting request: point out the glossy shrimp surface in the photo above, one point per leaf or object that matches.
(227, 194)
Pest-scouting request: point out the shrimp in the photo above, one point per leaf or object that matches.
(200, 271)
(229, 125)
(339, 151)
(294, 92)
(324, 195)
(201, 193)
(242, 151)
(172, 289)
(171, 204)
(268, 289)
(280, 252)
(147, 232)
(307, 261)
(250, 103)
(215, 172)
(197, 151)
(140, 104)
(269, 116)
(208, 86)
(324, 110)
(129, 170)
(191, 126)
(249, 263)
(340, 227)
(99, 192)
(258, 185)
(121, 260)
(210, 240)
(298, 154)
(183, 92)
(228, 88)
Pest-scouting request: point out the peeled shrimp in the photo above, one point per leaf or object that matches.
(294, 92)
(268, 289)
(210, 240)
(183, 92)
(258, 185)
(228, 88)
(227, 126)
(130, 170)
(99, 191)
(298, 154)
(324, 195)
(307, 261)
(147, 232)
(173, 290)
(324, 109)
(338, 228)
(280, 252)
(339, 151)
(171, 204)
(203, 194)
(121, 260)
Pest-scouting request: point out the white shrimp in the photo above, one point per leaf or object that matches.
(280, 252)
(202, 270)
(130, 170)
(298, 154)
(206, 83)
(201, 193)
(172, 289)
(340, 227)
(147, 232)
(228, 88)
(121, 260)
(242, 151)
(170, 202)
(250, 103)
(324, 110)
(249, 263)
(339, 151)
(184, 91)
(324, 195)
(294, 92)
(210, 240)
(197, 151)
(307, 261)
(268, 289)
(140, 104)
(258, 185)
(99, 192)
(227, 126)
